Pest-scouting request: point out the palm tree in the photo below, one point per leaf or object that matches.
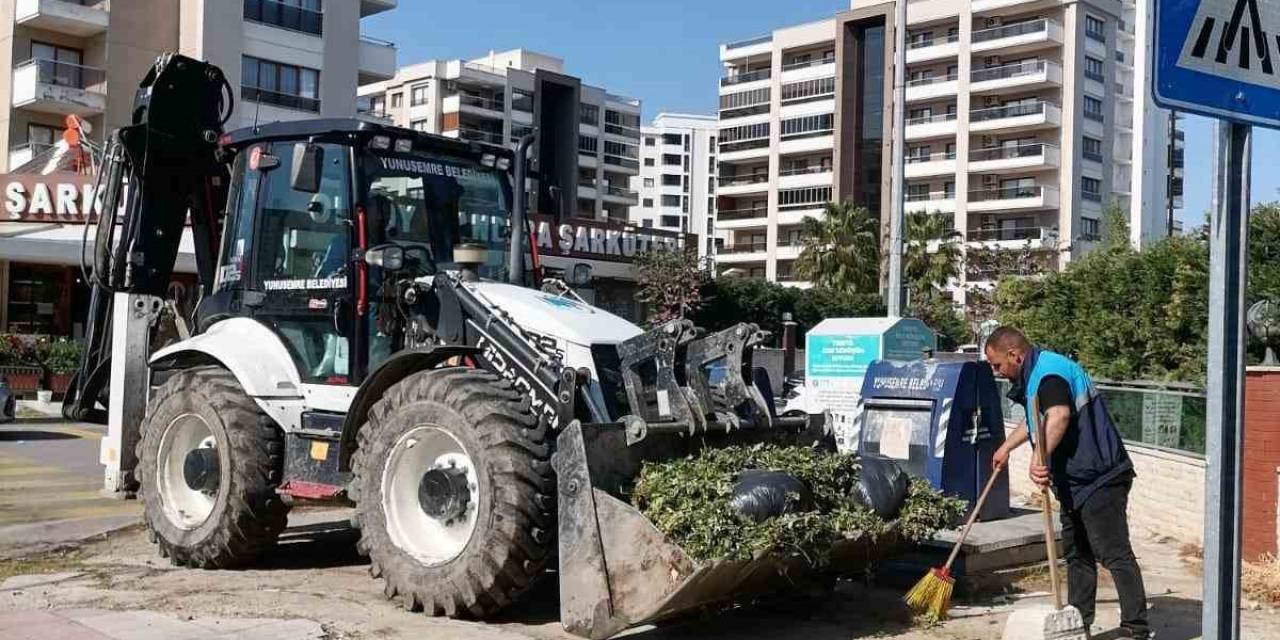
(927, 269)
(842, 249)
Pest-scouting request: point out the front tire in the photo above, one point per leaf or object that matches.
(210, 462)
(455, 492)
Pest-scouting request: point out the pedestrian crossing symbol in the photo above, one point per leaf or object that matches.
(1219, 58)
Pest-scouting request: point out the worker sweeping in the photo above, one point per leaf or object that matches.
(1087, 467)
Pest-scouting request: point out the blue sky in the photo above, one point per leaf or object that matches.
(665, 52)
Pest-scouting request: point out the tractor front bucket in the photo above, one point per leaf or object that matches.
(617, 570)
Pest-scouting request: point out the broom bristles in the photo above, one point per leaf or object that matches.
(932, 594)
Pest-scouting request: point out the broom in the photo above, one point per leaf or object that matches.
(932, 594)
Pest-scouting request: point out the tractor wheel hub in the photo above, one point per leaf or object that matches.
(200, 469)
(443, 493)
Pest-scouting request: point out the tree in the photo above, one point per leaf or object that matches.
(929, 269)
(728, 301)
(1115, 228)
(841, 251)
(670, 281)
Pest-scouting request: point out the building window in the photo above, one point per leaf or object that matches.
(418, 95)
(671, 201)
(295, 15)
(589, 114)
(419, 125)
(522, 100)
(588, 144)
(671, 138)
(622, 124)
(41, 137)
(669, 180)
(744, 103)
(806, 126)
(1092, 149)
(747, 136)
(648, 202)
(397, 100)
(918, 153)
(650, 141)
(648, 182)
(283, 85)
(1093, 108)
(1095, 28)
(808, 89)
(63, 66)
(949, 190)
(917, 192)
(804, 198)
(1093, 69)
(671, 221)
(1090, 229)
(671, 159)
(622, 155)
(1091, 188)
(648, 162)
(685, 205)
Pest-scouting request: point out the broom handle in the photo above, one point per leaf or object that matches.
(1050, 543)
(955, 551)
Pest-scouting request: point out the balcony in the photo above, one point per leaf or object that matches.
(1020, 116)
(936, 164)
(286, 100)
(932, 88)
(745, 77)
(23, 153)
(743, 217)
(808, 69)
(59, 87)
(628, 165)
(818, 176)
(1012, 237)
(284, 16)
(744, 252)
(81, 18)
(930, 202)
(749, 149)
(746, 47)
(1013, 198)
(738, 185)
(985, 6)
(371, 7)
(1007, 158)
(933, 49)
(942, 125)
(473, 104)
(478, 135)
(621, 194)
(1018, 37)
(377, 60)
(587, 189)
(1019, 76)
(788, 251)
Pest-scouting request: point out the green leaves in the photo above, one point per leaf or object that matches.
(688, 500)
(841, 250)
(670, 282)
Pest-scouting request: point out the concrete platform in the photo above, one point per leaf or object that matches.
(990, 552)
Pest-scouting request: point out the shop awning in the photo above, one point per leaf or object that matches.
(54, 243)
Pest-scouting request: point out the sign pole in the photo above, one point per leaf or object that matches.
(893, 297)
(1228, 274)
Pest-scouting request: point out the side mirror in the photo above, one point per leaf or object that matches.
(308, 163)
(385, 256)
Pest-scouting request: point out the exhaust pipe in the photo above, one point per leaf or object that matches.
(520, 205)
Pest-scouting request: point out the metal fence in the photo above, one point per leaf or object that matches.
(1161, 416)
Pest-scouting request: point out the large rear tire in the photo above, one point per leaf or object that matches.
(455, 492)
(209, 462)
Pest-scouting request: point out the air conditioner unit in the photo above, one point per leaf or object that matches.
(991, 22)
(989, 180)
(991, 61)
(992, 101)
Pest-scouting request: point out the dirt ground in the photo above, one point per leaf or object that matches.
(317, 574)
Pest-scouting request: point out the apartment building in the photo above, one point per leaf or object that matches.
(287, 59)
(492, 99)
(1020, 126)
(677, 181)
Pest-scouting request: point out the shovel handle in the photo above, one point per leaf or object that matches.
(977, 506)
(1050, 544)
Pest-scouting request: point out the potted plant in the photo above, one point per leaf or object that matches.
(18, 365)
(61, 359)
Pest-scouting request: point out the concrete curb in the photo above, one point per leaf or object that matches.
(39, 537)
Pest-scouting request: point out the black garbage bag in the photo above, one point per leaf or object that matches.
(882, 486)
(760, 495)
(8, 402)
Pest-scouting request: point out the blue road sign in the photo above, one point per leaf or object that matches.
(1219, 58)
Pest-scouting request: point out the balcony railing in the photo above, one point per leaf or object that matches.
(926, 196)
(807, 63)
(801, 171)
(64, 74)
(738, 181)
(1008, 233)
(521, 102)
(1095, 156)
(1005, 193)
(622, 130)
(743, 145)
(922, 82)
(931, 157)
(796, 206)
(480, 101)
(749, 76)
(279, 14)
(480, 135)
(1007, 111)
(921, 44)
(621, 192)
(749, 41)
(1032, 150)
(1011, 30)
(749, 247)
(937, 117)
(286, 100)
(742, 214)
(619, 161)
(1004, 72)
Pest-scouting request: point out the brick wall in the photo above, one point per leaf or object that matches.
(1261, 460)
(1167, 497)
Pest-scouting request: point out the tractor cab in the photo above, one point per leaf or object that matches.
(328, 221)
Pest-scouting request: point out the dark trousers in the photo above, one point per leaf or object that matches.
(1098, 532)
